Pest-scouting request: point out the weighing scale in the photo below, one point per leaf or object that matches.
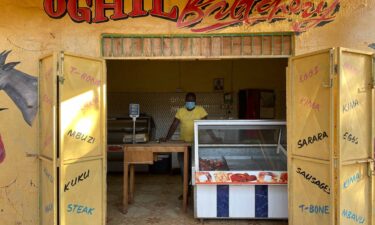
(134, 114)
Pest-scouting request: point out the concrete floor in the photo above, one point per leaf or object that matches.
(156, 202)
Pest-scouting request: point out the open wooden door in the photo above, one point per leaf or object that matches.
(48, 140)
(310, 138)
(73, 118)
(331, 137)
(355, 135)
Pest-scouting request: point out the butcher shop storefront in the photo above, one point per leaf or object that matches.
(180, 112)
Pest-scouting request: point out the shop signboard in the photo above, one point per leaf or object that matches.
(338, 161)
(199, 16)
(79, 130)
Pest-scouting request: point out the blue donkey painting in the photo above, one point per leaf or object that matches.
(21, 88)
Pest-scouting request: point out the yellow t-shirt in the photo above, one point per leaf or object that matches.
(187, 118)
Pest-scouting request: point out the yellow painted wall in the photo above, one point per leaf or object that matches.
(30, 33)
(353, 28)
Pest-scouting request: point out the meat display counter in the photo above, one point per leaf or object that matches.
(240, 169)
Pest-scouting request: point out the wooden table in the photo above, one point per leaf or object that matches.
(147, 154)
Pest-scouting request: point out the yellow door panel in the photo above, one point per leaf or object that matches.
(311, 193)
(331, 137)
(81, 96)
(72, 140)
(47, 140)
(48, 186)
(355, 191)
(355, 137)
(355, 105)
(311, 99)
(82, 193)
(82, 114)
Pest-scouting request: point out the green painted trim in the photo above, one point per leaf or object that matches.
(252, 45)
(194, 35)
(132, 46)
(231, 45)
(171, 45)
(152, 47)
(112, 45)
(191, 46)
(261, 45)
(282, 44)
(132, 38)
(181, 46)
(102, 46)
(242, 45)
(143, 46)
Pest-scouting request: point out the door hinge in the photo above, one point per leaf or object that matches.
(333, 71)
(373, 72)
(336, 68)
(371, 169)
(61, 79)
(329, 84)
(60, 69)
(332, 62)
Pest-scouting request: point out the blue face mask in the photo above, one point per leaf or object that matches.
(190, 105)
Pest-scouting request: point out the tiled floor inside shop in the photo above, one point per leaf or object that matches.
(156, 202)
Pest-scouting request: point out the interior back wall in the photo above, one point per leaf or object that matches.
(196, 76)
(157, 76)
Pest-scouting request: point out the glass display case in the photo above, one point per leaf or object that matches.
(240, 169)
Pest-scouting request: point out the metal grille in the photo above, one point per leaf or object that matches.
(197, 46)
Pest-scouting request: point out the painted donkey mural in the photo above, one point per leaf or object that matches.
(21, 88)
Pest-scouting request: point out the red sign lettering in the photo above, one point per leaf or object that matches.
(79, 14)
(158, 10)
(49, 8)
(138, 9)
(118, 10)
(252, 12)
(205, 15)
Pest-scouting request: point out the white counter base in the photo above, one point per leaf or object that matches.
(241, 201)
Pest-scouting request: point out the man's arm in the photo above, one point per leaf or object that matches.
(172, 129)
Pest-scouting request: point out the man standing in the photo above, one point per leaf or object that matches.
(185, 118)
